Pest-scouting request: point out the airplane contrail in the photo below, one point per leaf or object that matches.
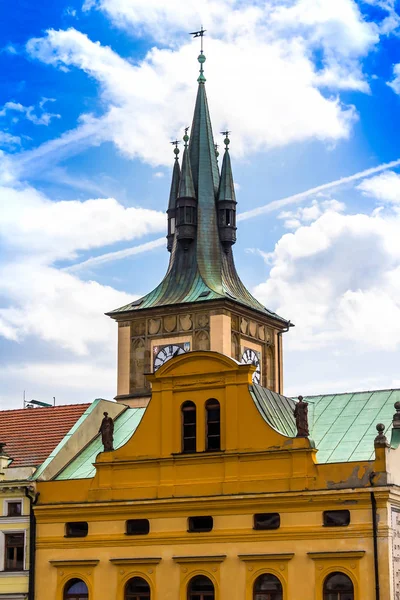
(111, 256)
(249, 214)
(276, 204)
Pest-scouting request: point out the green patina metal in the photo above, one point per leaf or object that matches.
(186, 187)
(204, 271)
(226, 186)
(342, 426)
(124, 426)
(176, 175)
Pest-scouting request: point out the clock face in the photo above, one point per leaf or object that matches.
(251, 357)
(164, 353)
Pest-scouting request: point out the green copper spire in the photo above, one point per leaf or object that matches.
(173, 195)
(176, 174)
(226, 186)
(201, 268)
(186, 187)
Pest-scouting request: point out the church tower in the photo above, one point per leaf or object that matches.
(201, 304)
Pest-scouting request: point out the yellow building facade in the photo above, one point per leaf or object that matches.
(214, 485)
(256, 472)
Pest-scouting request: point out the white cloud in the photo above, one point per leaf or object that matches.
(261, 108)
(38, 116)
(294, 218)
(395, 83)
(57, 307)
(7, 140)
(384, 187)
(32, 223)
(338, 279)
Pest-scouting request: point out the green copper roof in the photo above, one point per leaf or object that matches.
(342, 426)
(204, 271)
(186, 187)
(226, 186)
(124, 426)
(176, 174)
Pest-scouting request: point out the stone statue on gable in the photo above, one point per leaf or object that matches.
(107, 431)
(301, 416)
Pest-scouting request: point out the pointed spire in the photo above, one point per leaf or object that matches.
(186, 187)
(173, 195)
(176, 174)
(226, 186)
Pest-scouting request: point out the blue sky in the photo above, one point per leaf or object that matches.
(92, 93)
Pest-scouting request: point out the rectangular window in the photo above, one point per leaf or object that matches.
(200, 524)
(137, 526)
(76, 529)
(228, 217)
(14, 551)
(336, 518)
(267, 521)
(14, 509)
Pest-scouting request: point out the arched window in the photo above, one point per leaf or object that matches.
(188, 427)
(200, 588)
(213, 431)
(338, 586)
(137, 589)
(76, 589)
(267, 587)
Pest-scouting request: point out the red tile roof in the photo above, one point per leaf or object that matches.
(30, 434)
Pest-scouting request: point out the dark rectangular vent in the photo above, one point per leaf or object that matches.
(200, 524)
(336, 518)
(137, 303)
(76, 529)
(267, 521)
(137, 527)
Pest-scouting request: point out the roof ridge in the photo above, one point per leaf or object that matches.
(41, 408)
(344, 393)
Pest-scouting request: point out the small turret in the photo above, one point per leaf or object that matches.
(186, 204)
(226, 201)
(171, 212)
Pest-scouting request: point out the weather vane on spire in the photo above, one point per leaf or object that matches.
(201, 58)
(186, 137)
(176, 149)
(226, 140)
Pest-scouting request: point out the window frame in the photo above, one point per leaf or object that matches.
(203, 596)
(326, 514)
(191, 522)
(8, 501)
(254, 592)
(131, 521)
(132, 595)
(68, 596)
(209, 404)
(329, 576)
(68, 534)
(188, 407)
(271, 514)
(7, 534)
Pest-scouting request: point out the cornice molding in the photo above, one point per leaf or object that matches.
(136, 561)
(183, 560)
(265, 557)
(62, 564)
(334, 555)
